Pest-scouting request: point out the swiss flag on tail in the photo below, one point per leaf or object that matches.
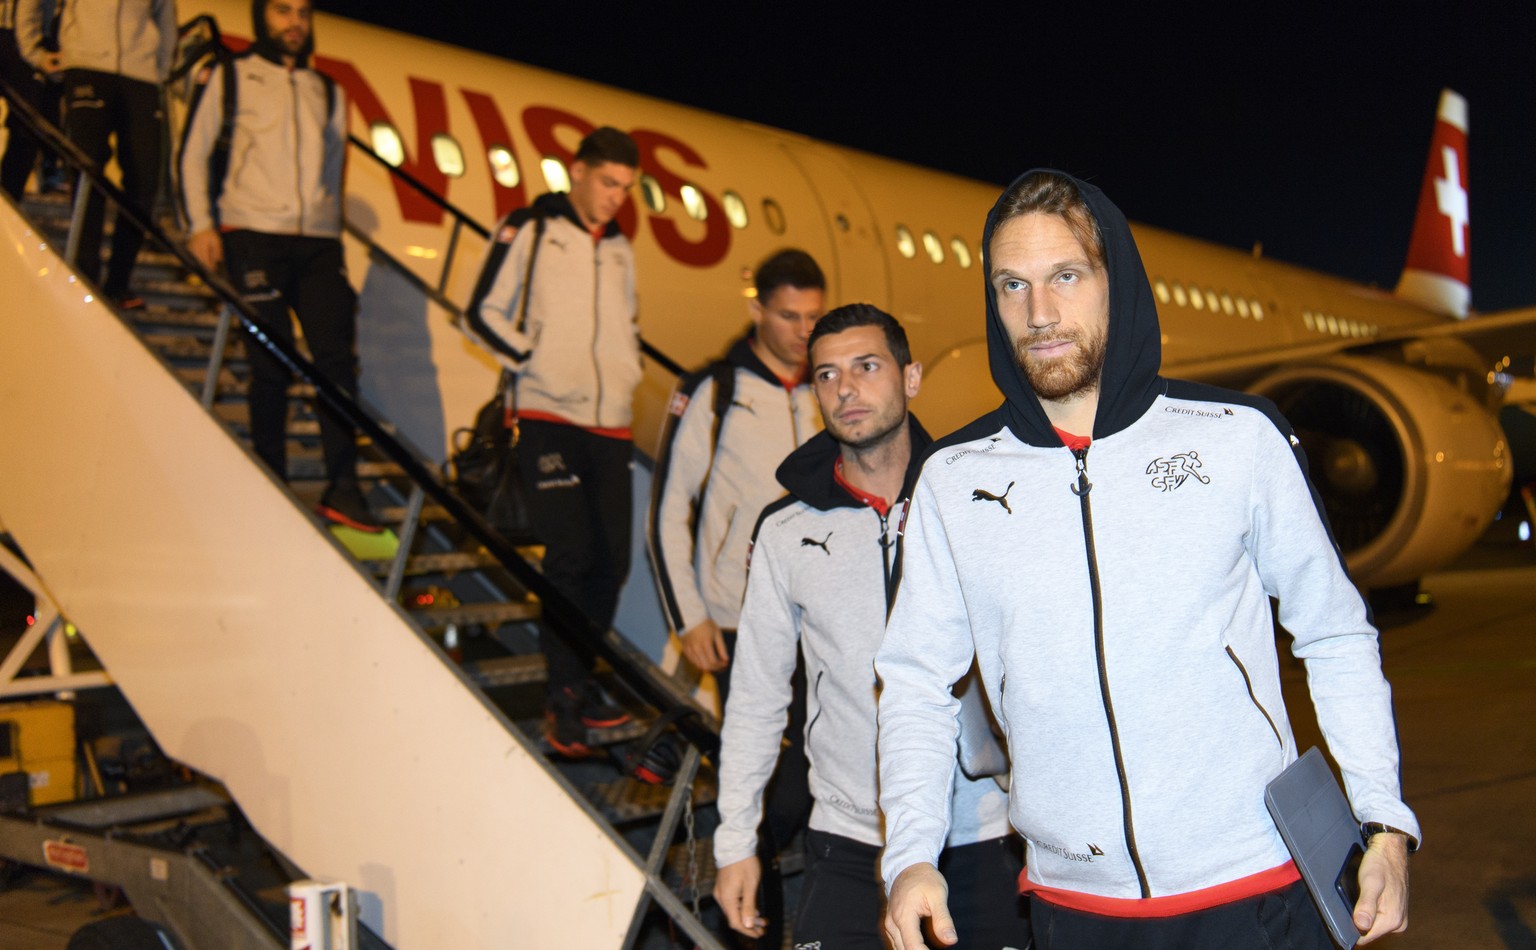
(1437, 273)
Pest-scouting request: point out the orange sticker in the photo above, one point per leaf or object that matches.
(66, 857)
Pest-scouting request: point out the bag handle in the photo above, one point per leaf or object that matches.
(506, 388)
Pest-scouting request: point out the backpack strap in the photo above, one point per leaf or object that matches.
(533, 255)
(724, 375)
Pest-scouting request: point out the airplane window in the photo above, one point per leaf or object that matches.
(1211, 301)
(1306, 319)
(504, 166)
(386, 141)
(1195, 300)
(934, 247)
(904, 242)
(652, 195)
(448, 156)
(555, 175)
(961, 252)
(1258, 309)
(693, 203)
(1226, 304)
(774, 215)
(1162, 290)
(1242, 308)
(1333, 324)
(1179, 297)
(735, 209)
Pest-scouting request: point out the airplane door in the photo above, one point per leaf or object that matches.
(858, 270)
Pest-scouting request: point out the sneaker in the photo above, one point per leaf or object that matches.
(128, 300)
(344, 504)
(563, 728)
(597, 710)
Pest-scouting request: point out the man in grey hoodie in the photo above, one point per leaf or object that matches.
(1105, 545)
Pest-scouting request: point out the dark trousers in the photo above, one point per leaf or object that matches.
(1280, 920)
(21, 146)
(96, 105)
(579, 504)
(275, 272)
(786, 802)
(842, 902)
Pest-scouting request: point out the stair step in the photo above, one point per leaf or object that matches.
(507, 670)
(154, 315)
(490, 614)
(396, 513)
(444, 563)
(137, 809)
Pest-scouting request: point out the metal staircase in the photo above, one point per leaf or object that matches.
(479, 602)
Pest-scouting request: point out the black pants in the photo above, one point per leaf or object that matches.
(275, 272)
(96, 105)
(842, 902)
(787, 801)
(21, 146)
(579, 502)
(1280, 920)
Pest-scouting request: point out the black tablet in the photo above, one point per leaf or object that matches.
(1324, 839)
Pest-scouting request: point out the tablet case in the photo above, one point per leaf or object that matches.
(1314, 819)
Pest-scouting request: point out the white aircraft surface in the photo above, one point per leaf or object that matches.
(1394, 394)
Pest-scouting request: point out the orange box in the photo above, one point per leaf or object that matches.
(39, 738)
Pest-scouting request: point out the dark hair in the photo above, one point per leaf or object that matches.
(790, 267)
(608, 144)
(1050, 193)
(863, 315)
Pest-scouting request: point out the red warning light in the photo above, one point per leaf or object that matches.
(31, 620)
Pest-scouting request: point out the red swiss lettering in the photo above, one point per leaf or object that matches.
(707, 250)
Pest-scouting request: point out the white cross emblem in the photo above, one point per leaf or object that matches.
(1452, 199)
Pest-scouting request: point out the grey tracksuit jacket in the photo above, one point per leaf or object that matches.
(286, 155)
(133, 38)
(822, 564)
(708, 489)
(1118, 605)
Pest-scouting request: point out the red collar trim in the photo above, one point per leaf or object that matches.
(1073, 442)
(881, 506)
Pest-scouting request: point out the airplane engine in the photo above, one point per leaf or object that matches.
(1410, 468)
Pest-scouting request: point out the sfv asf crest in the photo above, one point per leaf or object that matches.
(1171, 472)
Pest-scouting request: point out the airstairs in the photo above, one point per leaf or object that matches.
(375, 718)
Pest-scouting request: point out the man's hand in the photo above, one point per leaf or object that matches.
(919, 892)
(704, 646)
(208, 247)
(1383, 905)
(736, 892)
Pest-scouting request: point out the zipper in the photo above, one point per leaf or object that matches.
(1081, 489)
(886, 544)
(298, 170)
(1247, 682)
(597, 374)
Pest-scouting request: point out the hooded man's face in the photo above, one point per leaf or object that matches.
(1054, 303)
(288, 24)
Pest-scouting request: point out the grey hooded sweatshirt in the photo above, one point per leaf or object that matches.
(1118, 606)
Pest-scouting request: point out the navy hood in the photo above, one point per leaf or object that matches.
(808, 473)
(1130, 379)
(267, 47)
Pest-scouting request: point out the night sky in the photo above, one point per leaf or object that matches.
(1305, 131)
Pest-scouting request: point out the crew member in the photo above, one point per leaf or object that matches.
(575, 348)
(824, 565)
(274, 218)
(1105, 545)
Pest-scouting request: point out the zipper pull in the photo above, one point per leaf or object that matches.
(1083, 486)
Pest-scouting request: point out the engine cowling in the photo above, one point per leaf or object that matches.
(1410, 468)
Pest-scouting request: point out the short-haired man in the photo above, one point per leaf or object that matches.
(276, 224)
(730, 426)
(1105, 545)
(114, 57)
(575, 348)
(824, 565)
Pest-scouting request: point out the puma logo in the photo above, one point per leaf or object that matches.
(557, 242)
(1095, 850)
(981, 494)
(813, 543)
(744, 405)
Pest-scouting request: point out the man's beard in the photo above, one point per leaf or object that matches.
(1065, 376)
(883, 427)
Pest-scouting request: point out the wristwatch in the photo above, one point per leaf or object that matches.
(1370, 829)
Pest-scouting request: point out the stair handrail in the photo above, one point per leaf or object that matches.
(565, 618)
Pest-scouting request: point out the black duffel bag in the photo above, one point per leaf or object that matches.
(484, 467)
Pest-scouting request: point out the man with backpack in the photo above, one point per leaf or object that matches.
(555, 304)
(261, 181)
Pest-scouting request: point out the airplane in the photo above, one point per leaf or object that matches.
(1393, 393)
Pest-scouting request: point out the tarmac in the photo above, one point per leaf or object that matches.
(1463, 672)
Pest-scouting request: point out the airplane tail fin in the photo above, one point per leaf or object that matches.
(1437, 272)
